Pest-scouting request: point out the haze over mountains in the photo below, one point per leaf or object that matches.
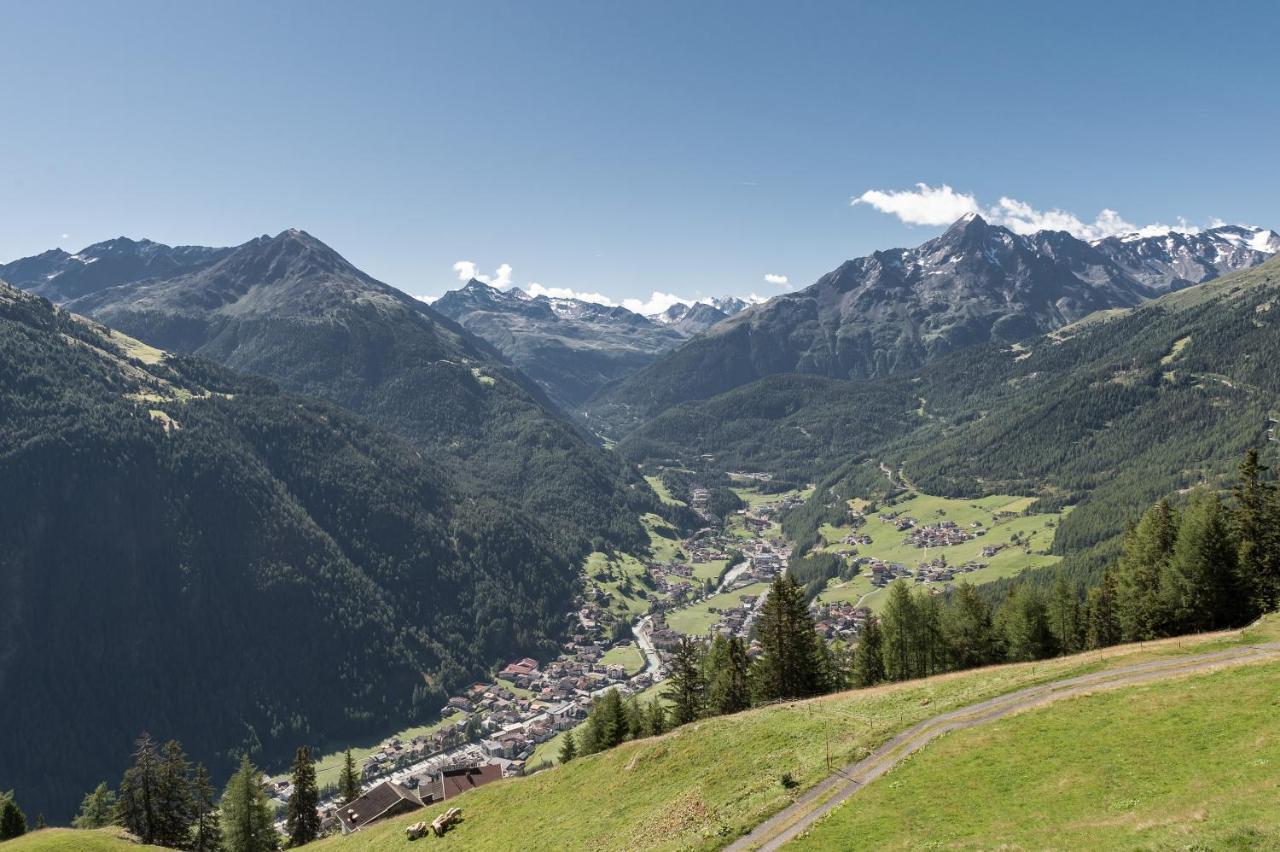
(900, 309)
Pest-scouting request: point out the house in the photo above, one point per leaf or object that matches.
(383, 801)
(452, 782)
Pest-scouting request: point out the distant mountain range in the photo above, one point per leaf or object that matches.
(900, 309)
(571, 347)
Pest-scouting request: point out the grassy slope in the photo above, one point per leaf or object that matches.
(1168, 765)
(70, 840)
(704, 784)
(696, 620)
(887, 543)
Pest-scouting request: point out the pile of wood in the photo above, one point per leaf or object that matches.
(445, 821)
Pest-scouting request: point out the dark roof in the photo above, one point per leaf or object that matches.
(375, 803)
(453, 782)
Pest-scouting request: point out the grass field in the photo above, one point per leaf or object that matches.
(1164, 766)
(628, 656)
(329, 765)
(1035, 532)
(70, 840)
(702, 785)
(549, 752)
(660, 488)
(696, 620)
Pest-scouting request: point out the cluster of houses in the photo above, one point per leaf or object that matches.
(839, 620)
(901, 523)
(942, 534)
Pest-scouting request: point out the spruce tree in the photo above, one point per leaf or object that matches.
(868, 659)
(687, 689)
(138, 800)
(173, 807)
(13, 822)
(568, 748)
(1257, 532)
(727, 673)
(302, 823)
(1201, 589)
(1103, 621)
(1065, 618)
(206, 836)
(1147, 550)
(97, 809)
(789, 665)
(930, 649)
(657, 716)
(967, 630)
(348, 780)
(1024, 621)
(246, 814)
(899, 624)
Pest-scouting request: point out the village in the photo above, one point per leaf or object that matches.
(492, 729)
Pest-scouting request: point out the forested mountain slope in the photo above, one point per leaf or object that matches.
(896, 311)
(1109, 414)
(194, 553)
(292, 309)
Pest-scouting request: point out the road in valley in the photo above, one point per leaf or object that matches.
(817, 802)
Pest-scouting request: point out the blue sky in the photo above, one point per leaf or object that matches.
(624, 148)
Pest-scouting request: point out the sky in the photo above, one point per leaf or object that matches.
(636, 151)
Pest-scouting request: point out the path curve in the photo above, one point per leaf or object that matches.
(817, 802)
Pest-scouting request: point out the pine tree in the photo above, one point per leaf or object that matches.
(899, 626)
(1257, 532)
(1024, 621)
(657, 716)
(727, 674)
(1200, 590)
(137, 802)
(97, 809)
(246, 814)
(173, 808)
(1065, 619)
(868, 659)
(930, 649)
(348, 780)
(206, 836)
(13, 822)
(967, 630)
(788, 665)
(568, 748)
(1147, 549)
(1103, 621)
(687, 691)
(302, 823)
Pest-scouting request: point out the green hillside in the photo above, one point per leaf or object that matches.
(1165, 766)
(707, 783)
(69, 840)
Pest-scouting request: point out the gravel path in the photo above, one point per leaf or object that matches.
(798, 817)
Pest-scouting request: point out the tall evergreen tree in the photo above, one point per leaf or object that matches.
(1201, 589)
(930, 649)
(1257, 532)
(967, 630)
(1147, 550)
(1024, 621)
(302, 823)
(788, 665)
(246, 815)
(900, 627)
(206, 835)
(97, 809)
(173, 809)
(137, 804)
(868, 659)
(1066, 621)
(657, 717)
(348, 780)
(568, 748)
(728, 676)
(1103, 621)
(13, 822)
(687, 689)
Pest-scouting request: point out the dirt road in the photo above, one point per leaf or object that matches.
(795, 819)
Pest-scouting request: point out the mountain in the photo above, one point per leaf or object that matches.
(895, 311)
(1175, 260)
(60, 277)
(570, 347)
(691, 319)
(195, 553)
(293, 310)
(1106, 414)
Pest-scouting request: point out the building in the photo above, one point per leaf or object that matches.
(382, 801)
(453, 782)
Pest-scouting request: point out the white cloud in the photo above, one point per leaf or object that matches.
(780, 280)
(926, 205)
(655, 304)
(535, 289)
(427, 299)
(923, 206)
(467, 269)
(66, 236)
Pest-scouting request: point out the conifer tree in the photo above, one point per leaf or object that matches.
(173, 809)
(1257, 532)
(868, 659)
(348, 780)
(930, 649)
(568, 748)
(1065, 619)
(97, 809)
(1024, 622)
(967, 630)
(302, 823)
(246, 815)
(788, 665)
(138, 800)
(13, 822)
(687, 691)
(1147, 549)
(899, 627)
(728, 676)
(657, 715)
(1201, 588)
(1103, 621)
(206, 836)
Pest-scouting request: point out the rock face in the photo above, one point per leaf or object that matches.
(899, 309)
(571, 347)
